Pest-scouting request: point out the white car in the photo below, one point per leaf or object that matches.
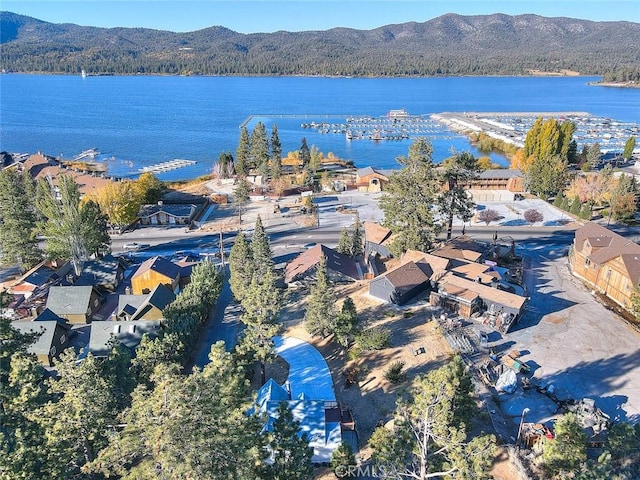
(135, 246)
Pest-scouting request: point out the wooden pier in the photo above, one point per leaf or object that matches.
(167, 166)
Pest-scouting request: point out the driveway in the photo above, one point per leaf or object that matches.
(573, 343)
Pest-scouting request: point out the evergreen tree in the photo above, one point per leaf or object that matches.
(276, 153)
(193, 426)
(260, 249)
(345, 244)
(346, 323)
(260, 149)
(320, 315)
(568, 449)
(430, 431)
(241, 196)
(341, 459)
(243, 152)
(18, 242)
(315, 159)
(63, 226)
(95, 228)
(22, 393)
(290, 451)
(547, 175)
(408, 199)
(261, 304)
(593, 155)
(76, 421)
(241, 266)
(305, 153)
(357, 239)
(453, 199)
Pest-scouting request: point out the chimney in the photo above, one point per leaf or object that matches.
(160, 203)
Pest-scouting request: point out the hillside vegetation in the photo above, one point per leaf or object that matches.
(448, 45)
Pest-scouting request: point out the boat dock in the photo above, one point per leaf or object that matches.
(512, 127)
(167, 166)
(89, 154)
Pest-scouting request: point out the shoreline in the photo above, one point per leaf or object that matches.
(615, 84)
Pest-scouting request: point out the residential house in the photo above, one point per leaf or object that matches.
(153, 272)
(105, 274)
(606, 261)
(145, 307)
(340, 268)
(75, 304)
(469, 298)
(462, 247)
(402, 283)
(377, 240)
(167, 214)
(371, 180)
(127, 333)
(39, 277)
(53, 340)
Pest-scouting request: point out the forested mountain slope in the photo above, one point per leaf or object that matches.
(448, 45)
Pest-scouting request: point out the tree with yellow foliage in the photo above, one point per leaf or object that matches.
(120, 201)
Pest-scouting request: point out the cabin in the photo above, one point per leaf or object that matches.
(607, 262)
(166, 214)
(129, 334)
(401, 284)
(75, 304)
(153, 272)
(145, 307)
(105, 274)
(340, 268)
(53, 340)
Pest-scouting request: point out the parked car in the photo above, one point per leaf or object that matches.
(135, 246)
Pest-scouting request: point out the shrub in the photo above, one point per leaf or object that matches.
(394, 373)
(374, 339)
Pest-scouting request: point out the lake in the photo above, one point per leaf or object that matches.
(138, 121)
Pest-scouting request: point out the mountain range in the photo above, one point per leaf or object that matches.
(448, 45)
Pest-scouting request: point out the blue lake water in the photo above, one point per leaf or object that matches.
(138, 121)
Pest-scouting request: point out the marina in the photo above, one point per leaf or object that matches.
(395, 125)
(512, 127)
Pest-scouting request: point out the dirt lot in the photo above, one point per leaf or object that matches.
(372, 399)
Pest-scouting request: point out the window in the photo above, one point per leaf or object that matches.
(96, 302)
(63, 339)
(587, 262)
(52, 352)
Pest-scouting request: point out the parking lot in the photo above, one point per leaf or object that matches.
(573, 343)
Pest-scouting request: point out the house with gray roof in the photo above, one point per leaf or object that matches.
(75, 304)
(145, 307)
(167, 214)
(105, 274)
(53, 339)
(129, 334)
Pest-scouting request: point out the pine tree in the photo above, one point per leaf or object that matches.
(290, 451)
(241, 266)
(345, 244)
(320, 315)
(341, 459)
(629, 145)
(305, 153)
(18, 242)
(453, 200)
(346, 323)
(357, 239)
(260, 249)
(276, 153)
(260, 149)
(63, 226)
(408, 199)
(568, 449)
(241, 196)
(243, 153)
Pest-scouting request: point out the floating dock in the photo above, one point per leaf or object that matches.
(167, 166)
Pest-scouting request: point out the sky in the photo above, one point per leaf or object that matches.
(251, 16)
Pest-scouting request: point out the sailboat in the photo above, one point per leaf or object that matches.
(83, 73)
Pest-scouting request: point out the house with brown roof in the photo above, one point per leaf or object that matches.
(377, 240)
(462, 247)
(468, 298)
(402, 283)
(340, 268)
(153, 272)
(606, 261)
